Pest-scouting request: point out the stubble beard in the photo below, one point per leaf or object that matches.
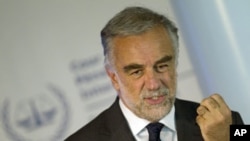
(155, 112)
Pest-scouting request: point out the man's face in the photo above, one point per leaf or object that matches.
(144, 73)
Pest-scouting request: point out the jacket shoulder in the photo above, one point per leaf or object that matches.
(108, 125)
(91, 129)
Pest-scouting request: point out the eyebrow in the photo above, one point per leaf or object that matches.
(166, 58)
(134, 66)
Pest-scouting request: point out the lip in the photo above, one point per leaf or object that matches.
(154, 100)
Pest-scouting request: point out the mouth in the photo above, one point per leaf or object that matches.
(154, 100)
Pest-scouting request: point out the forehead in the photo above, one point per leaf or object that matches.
(153, 45)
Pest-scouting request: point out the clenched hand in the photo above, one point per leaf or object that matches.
(214, 118)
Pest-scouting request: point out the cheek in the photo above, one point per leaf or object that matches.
(173, 76)
(131, 89)
(170, 79)
(124, 84)
(173, 82)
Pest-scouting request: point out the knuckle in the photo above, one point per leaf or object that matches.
(204, 101)
(208, 101)
(216, 95)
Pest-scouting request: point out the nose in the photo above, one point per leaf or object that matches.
(152, 81)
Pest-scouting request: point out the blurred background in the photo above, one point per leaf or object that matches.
(52, 79)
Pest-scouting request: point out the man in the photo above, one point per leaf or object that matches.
(141, 52)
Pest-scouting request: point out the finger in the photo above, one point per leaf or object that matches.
(224, 108)
(200, 120)
(210, 103)
(201, 110)
(221, 102)
(204, 112)
(213, 103)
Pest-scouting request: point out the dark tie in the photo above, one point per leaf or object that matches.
(154, 130)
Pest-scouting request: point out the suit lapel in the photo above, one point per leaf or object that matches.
(123, 134)
(186, 126)
(118, 125)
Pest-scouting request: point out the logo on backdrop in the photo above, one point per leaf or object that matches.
(37, 117)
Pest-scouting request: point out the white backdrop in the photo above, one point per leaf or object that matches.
(52, 77)
(216, 34)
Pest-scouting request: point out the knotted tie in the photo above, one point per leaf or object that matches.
(154, 130)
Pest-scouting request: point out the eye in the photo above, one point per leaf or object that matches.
(136, 73)
(162, 67)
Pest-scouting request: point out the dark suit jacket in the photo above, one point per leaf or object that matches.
(111, 125)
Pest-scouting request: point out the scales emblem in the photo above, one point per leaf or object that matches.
(37, 118)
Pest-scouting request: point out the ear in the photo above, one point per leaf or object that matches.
(113, 77)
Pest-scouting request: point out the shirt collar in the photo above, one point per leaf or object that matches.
(137, 124)
(169, 119)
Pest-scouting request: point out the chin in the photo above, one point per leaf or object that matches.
(156, 112)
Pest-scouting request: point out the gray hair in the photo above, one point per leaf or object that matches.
(135, 21)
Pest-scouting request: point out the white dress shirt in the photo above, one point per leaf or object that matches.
(138, 125)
